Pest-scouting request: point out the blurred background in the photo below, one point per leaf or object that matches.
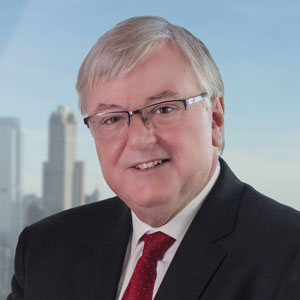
(47, 157)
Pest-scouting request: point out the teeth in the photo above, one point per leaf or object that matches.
(148, 165)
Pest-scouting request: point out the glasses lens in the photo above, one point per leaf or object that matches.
(113, 124)
(164, 114)
(109, 124)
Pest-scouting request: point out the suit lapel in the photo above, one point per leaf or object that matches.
(190, 272)
(199, 256)
(96, 276)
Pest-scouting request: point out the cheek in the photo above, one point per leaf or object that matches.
(196, 144)
(198, 132)
(202, 130)
(108, 154)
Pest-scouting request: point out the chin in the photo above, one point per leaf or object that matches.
(147, 198)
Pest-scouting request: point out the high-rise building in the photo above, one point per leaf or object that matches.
(33, 209)
(63, 177)
(11, 220)
(10, 176)
(95, 196)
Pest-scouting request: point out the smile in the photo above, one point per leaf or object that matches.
(150, 164)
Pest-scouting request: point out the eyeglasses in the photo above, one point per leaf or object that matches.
(161, 115)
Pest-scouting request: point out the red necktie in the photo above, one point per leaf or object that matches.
(141, 284)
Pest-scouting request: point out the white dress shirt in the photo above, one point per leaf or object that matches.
(176, 228)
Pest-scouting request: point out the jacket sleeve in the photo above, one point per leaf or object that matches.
(18, 280)
(290, 288)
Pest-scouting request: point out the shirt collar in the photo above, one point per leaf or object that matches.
(178, 225)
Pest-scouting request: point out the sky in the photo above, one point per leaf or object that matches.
(256, 45)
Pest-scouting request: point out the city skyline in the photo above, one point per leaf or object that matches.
(11, 216)
(63, 176)
(11, 187)
(63, 183)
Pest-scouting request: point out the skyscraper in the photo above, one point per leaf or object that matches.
(10, 175)
(11, 219)
(63, 177)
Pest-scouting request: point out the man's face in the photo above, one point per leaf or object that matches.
(188, 151)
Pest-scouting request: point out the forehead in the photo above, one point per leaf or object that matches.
(164, 69)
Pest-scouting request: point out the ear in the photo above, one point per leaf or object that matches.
(217, 113)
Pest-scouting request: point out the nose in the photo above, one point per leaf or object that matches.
(140, 134)
(139, 113)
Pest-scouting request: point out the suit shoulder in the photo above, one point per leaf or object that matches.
(269, 213)
(80, 218)
(71, 230)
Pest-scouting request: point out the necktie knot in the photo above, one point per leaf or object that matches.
(156, 244)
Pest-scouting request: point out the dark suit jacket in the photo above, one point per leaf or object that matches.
(240, 246)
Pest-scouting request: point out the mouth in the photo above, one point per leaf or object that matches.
(150, 164)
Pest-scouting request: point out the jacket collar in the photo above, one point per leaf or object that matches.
(200, 254)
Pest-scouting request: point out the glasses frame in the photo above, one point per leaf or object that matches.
(130, 113)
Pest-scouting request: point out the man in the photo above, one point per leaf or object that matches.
(182, 225)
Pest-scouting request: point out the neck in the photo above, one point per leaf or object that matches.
(159, 215)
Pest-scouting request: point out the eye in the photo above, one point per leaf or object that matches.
(109, 119)
(112, 120)
(163, 110)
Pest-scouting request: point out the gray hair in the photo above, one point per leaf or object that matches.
(120, 49)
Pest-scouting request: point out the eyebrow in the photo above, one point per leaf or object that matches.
(102, 107)
(165, 94)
